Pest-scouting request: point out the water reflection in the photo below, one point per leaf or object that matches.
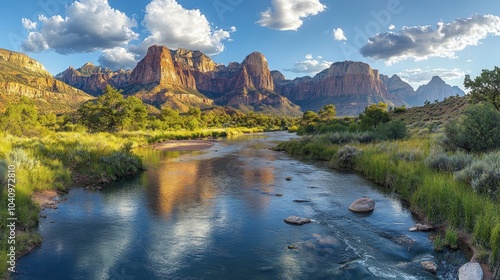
(213, 215)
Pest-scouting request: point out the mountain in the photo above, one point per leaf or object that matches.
(350, 86)
(93, 79)
(182, 78)
(247, 86)
(397, 88)
(436, 89)
(21, 75)
(159, 79)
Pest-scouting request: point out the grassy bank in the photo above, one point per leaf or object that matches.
(51, 163)
(434, 195)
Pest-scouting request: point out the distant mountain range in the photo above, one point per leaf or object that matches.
(183, 78)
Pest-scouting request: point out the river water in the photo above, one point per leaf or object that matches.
(214, 214)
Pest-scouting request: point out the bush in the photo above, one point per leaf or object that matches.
(392, 130)
(477, 132)
(345, 157)
(483, 175)
(441, 161)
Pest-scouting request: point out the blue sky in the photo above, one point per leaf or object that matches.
(414, 39)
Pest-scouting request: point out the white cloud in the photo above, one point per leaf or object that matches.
(88, 25)
(28, 24)
(172, 25)
(423, 42)
(288, 15)
(418, 76)
(338, 34)
(310, 65)
(392, 27)
(117, 58)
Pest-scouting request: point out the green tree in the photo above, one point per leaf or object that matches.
(374, 115)
(20, 118)
(309, 117)
(111, 112)
(136, 114)
(485, 87)
(327, 113)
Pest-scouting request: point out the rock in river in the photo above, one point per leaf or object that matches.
(421, 227)
(362, 205)
(470, 271)
(429, 266)
(297, 220)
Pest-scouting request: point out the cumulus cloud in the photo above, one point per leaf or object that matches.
(28, 24)
(338, 34)
(117, 58)
(288, 15)
(88, 25)
(423, 42)
(311, 65)
(392, 27)
(172, 25)
(420, 76)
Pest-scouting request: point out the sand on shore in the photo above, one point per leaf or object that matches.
(184, 145)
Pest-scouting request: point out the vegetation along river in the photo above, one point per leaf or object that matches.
(218, 214)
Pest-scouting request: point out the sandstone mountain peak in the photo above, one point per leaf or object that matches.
(24, 61)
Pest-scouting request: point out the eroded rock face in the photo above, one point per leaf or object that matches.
(362, 205)
(24, 62)
(94, 79)
(22, 76)
(349, 85)
(397, 88)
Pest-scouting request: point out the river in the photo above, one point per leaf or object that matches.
(218, 214)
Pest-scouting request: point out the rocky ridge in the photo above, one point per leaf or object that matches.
(93, 79)
(22, 76)
(436, 89)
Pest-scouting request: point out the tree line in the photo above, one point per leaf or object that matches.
(113, 112)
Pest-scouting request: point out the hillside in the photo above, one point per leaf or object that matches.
(22, 76)
(433, 115)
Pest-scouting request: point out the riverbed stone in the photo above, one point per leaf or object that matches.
(470, 271)
(429, 266)
(363, 205)
(295, 220)
(421, 227)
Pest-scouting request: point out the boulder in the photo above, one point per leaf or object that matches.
(429, 266)
(362, 205)
(295, 220)
(470, 271)
(421, 227)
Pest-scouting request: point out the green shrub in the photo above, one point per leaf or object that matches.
(441, 161)
(392, 130)
(477, 132)
(483, 175)
(345, 157)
